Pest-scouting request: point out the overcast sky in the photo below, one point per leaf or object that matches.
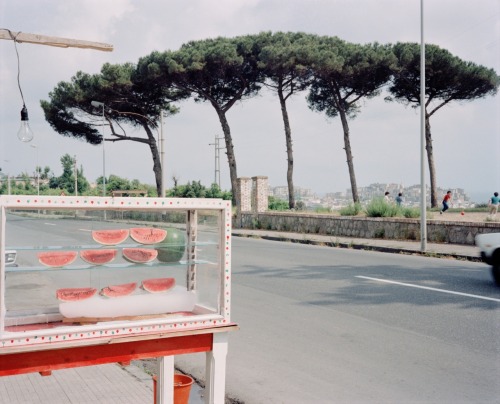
(385, 137)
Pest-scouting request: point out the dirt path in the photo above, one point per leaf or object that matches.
(458, 217)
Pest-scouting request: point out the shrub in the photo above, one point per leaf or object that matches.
(351, 209)
(277, 204)
(411, 213)
(380, 208)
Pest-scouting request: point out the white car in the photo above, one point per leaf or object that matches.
(10, 258)
(489, 244)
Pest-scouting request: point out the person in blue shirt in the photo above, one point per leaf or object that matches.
(493, 203)
(399, 199)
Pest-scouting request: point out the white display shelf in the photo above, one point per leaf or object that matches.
(29, 311)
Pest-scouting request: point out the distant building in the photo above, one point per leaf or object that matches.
(338, 200)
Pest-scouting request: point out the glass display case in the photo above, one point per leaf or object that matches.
(88, 267)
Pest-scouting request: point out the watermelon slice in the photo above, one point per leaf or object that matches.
(157, 285)
(147, 235)
(98, 257)
(118, 290)
(110, 237)
(57, 259)
(139, 255)
(75, 294)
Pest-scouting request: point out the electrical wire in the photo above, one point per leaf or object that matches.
(14, 37)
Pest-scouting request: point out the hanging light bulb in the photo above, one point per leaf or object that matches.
(25, 134)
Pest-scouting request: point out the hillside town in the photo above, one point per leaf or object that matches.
(337, 200)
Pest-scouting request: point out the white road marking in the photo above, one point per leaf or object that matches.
(429, 288)
(85, 230)
(50, 224)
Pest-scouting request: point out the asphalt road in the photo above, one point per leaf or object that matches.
(328, 325)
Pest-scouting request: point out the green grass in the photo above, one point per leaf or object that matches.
(351, 209)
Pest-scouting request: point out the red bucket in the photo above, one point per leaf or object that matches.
(182, 388)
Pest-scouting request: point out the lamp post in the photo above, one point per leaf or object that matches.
(34, 146)
(76, 175)
(423, 193)
(98, 104)
(8, 179)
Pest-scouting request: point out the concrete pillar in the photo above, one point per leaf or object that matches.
(260, 194)
(245, 193)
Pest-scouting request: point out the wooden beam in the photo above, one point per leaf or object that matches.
(45, 362)
(53, 41)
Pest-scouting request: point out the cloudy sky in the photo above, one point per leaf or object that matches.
(385, 137)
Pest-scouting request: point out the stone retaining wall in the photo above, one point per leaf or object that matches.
(364, 227)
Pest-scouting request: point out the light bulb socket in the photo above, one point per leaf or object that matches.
(24, 114)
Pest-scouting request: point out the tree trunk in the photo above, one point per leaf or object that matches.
(231, 159)
(156, 159)
(347, 147)
(430, 159)
(289, 150)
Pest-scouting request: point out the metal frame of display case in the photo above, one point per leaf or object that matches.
(43, 349)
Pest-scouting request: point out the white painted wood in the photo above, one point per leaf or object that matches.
(53, 41)
(165, 380)
(215, 388)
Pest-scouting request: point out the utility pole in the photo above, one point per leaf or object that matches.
(217, 159)
(76, 176)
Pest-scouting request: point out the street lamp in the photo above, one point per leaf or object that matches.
(8, 179)
(423, 194)
(76, 175)
(34, 146)
(98, 104)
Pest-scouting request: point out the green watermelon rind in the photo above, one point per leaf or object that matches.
(173, 247)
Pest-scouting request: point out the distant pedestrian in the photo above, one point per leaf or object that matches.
(399, 199)
(387, 197)
(493, 204)
(446, 202)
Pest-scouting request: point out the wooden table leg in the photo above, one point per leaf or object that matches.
(215, 389)
(165, 380)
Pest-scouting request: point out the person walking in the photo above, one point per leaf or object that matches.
(493, 204)
(399, 199)
(446, 202)
(387, 197)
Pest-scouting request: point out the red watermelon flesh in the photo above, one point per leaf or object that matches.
(139, 255)
(157, 285)
(110, 237)
(148, 235)
(75, 294)
(57, 258)
(98, 257)
(119, 290)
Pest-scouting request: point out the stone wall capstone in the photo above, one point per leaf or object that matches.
(365, 227)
